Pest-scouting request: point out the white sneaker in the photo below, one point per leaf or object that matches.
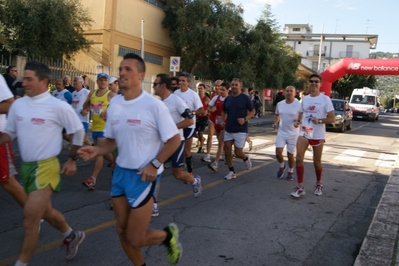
(298, 191)
(230, 175)
(318, 189)
(248, 163)
(206, 158)
(197, 188)
(155, 211)
(213, 166)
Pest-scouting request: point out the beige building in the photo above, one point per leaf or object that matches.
(117, 29)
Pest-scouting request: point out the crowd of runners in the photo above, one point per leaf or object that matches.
(124, 118)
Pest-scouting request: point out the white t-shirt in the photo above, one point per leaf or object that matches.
(213, 101)
(288, 113)
(5, 94)
(38, 122)
(78, 99)
(317, 107)
(140, 128)
(176, 106)
(60, 94)
(192, 100)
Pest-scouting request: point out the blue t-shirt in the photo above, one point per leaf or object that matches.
(237, 107)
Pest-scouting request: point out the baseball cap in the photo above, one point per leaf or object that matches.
(112, 79)
(101, 75)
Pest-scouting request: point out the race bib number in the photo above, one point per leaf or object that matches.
(307, 132)
(218, 119)
(96, 108)
(75, 104)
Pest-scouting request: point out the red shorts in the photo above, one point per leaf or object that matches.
(7, 168)
(316, 142)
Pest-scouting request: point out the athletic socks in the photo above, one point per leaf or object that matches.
(299, 172)
(189, 164)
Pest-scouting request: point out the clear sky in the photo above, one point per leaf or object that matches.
(380, 17)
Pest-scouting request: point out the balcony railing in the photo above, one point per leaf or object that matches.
(313, 54)
(350, 54)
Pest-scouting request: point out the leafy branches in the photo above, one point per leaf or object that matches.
(44, 28)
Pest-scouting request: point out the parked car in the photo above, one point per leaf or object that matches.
(343, 115)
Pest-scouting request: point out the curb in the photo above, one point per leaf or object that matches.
(380, 246)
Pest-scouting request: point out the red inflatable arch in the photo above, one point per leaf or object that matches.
(357, 66)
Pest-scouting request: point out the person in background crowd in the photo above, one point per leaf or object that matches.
(86, 82)
(13, 84)
(67, 82)
(174, 83)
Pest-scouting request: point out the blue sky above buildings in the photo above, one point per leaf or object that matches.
(338, 16)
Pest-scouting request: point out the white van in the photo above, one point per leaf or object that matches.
(365, 103)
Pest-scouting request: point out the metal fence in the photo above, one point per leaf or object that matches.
(60, 68)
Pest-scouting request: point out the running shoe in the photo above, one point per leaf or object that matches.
(318, 189)
(290, 176)
(174, 247)
(200, 150)
(250, 145)
(298, 191)
(155, 210)
(90, 183)
(197, 188)
(73, 245)
(280, 173)
(230, 175)
(213, 166)
(248, 162)
(206, 158)
(40, 224)
(222, 158)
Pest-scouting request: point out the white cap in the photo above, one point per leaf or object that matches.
(112, 79)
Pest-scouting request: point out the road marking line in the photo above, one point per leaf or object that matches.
(91, 230)
(350, 155)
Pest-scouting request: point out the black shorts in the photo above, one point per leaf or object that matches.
(201, 124)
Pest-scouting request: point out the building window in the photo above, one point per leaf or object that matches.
(296, 29)
(156, 3)
(149, 58)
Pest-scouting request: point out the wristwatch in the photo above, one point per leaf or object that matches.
(74, 157)
(320, 121)
(156, 163)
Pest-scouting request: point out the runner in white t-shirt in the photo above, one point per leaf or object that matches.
(289, 116)
(146, 136)
(37, 121)
(79, 97)
(183, 118)
(317, 111)
(7, 168)
(194, 103)
(61, 93)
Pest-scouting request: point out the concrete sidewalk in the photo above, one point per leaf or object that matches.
(380, 246)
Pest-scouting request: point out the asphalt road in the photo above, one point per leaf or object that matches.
(251, 220)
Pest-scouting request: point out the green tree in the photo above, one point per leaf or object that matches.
(218, 44)
(44, 28)
(345, 85)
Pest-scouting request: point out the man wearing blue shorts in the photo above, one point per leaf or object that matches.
(146, 136)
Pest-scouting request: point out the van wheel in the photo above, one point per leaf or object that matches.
(376, 119)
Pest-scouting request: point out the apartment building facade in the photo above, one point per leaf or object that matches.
(320, 50)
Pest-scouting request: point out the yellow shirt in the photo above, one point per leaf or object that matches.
(98, 105)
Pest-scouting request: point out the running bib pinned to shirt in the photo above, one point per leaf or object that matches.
(96, 108)
(307, 132)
